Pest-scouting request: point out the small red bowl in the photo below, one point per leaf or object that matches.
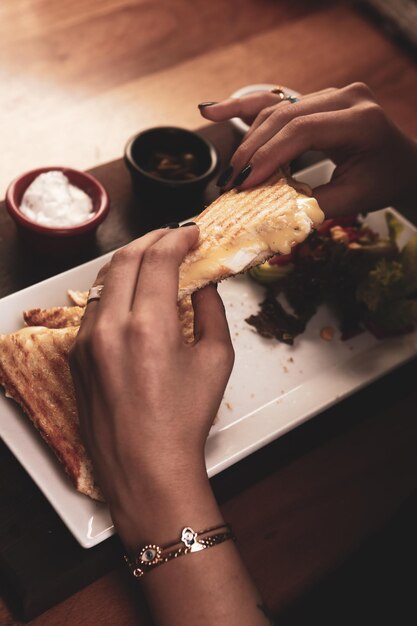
(58, 240)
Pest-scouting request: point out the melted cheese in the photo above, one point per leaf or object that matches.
(221, 260)
(312, 209)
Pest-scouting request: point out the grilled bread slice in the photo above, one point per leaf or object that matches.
(242, 229)
(34, 371)
(55, 317)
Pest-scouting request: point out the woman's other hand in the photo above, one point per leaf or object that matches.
(376, 163)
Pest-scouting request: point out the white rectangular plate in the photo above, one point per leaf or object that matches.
(273, 388)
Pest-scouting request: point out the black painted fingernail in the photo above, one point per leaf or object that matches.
(202, 105)
(225, 177)
(242, 176)
(188, 224)
(171, 225)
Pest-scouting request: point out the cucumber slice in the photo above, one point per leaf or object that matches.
(266, 274)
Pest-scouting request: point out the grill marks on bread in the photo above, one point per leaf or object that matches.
(34, 370)
(55, 317)
(238, 209)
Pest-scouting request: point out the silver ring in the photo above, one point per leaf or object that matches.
(292, 99)
(95, 293)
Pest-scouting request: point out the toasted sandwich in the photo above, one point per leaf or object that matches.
(34, 371)
(242, 229)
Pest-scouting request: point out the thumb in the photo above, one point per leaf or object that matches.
(340, 198)
(209, 316)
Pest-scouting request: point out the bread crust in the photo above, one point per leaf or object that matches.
(55, 317)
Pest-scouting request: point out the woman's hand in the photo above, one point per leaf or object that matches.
(146, 399)
(376, 163)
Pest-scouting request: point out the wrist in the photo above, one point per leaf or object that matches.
(158, 508)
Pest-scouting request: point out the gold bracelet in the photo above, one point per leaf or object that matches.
(152, 556)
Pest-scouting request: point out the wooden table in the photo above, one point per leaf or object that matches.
(77, 78)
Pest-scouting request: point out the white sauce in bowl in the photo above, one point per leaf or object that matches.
(51, 200)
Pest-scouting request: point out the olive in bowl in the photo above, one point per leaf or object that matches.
(57, 210)
(170, 165)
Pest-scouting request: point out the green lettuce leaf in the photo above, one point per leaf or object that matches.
(409, 262)
(384, 283)
(395, 227)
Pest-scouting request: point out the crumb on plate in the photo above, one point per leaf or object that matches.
(327, 333)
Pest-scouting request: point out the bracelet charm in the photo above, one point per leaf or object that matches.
(152, 555)
(189, 539)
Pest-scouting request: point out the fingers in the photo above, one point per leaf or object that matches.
(306, 100)
(353, 189)
(247, 107)
(118, 278)
(121, 279)
(156, 294)
(273, 119)
(319, 131)
(337, 198)
(209, 316)
(142, 276)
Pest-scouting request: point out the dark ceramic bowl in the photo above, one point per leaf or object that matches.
(143, 154)
(58, 240)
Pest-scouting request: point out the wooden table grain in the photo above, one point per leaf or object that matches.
(77, 78)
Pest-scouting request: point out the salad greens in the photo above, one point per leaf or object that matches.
(366, 279)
